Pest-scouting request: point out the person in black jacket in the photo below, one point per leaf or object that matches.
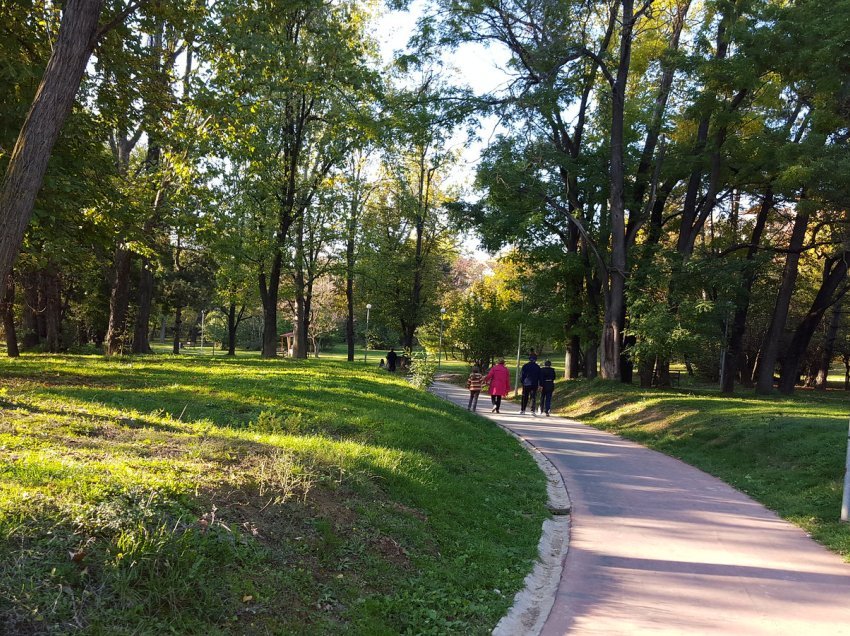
(392, 356)
(530, 380)
(547, 386)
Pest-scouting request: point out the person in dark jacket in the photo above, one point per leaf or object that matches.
(392, 356)
(530, 380)
(547, 386)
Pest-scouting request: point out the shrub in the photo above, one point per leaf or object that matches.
(422, 371)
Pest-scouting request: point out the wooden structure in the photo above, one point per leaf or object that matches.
(287, 343)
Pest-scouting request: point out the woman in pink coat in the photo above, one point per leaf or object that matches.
(499, 379)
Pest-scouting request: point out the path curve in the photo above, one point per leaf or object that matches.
(660, 547)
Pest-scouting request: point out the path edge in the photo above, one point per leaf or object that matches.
(533, 603)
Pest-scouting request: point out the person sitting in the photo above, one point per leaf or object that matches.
(382, 364)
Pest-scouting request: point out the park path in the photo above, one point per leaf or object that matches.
(659, 547)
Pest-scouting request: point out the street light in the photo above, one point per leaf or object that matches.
(519, 339)
(366, 352)
(845, 499)
(440, 350)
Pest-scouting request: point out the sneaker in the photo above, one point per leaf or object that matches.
(494, 410)
(547, 414)
(522, 412)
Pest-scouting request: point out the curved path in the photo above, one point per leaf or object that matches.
(659, 547)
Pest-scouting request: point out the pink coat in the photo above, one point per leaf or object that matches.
(499, 380)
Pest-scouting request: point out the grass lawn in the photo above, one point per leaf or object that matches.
(787, 453)
(206, 495)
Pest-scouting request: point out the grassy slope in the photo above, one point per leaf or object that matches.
(787, 453)
(205, 495)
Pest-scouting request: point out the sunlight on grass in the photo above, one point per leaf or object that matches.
(329, 495)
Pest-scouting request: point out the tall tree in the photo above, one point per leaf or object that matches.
(281, 86)
(78, 33)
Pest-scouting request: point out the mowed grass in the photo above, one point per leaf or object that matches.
(786, 452)
(201, 495)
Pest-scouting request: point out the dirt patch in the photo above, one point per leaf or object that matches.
(392, 551)
(413, 512)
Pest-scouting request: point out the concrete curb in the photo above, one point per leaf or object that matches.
(533, 603)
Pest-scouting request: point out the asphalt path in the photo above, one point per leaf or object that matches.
(659, 547)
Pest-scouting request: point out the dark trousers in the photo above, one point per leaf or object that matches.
(497, 401)
(473, 400)
(546, 399)
(529, 392)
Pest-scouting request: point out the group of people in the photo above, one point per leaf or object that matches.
(392, 360)
(533, 378)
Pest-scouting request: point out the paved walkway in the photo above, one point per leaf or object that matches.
(659, 547)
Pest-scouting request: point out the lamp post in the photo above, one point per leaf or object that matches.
(519, 339)
(203, 312)
(366, 352)
(845, 499)
(440, 350)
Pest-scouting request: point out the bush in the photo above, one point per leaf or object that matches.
(422, 371)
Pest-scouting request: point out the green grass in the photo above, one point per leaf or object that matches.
(787, 453)
(205, 495)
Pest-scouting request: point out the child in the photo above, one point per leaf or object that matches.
(382, 364)
(474, 384)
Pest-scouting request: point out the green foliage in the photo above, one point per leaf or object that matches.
(422, 370)
(481, 323)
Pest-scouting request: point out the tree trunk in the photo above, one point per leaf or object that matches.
(178, 326)
(828, 348)
(302, 311)
(268, 293)
(846, 372)
(770, 348)
(349, 297)
(233, 320)
(572, 358)
(646, 371)
(834, 275)
(7, 307)
(50, 108)
(590, 360)
(734, 350)
(32, 339)
(615, 309)
(50, 288)
(662, 373)
(141, 333)
(119, 301)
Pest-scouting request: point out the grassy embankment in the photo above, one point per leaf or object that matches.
(200, 495)
(786, 452)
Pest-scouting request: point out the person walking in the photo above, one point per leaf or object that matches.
(392, 356)
(547, 386)
(474, 383)
(499, 381)
(530, 380)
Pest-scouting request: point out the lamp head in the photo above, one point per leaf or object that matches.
(368, 305)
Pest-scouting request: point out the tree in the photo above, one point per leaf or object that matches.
(281, 86)
(54, 99)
